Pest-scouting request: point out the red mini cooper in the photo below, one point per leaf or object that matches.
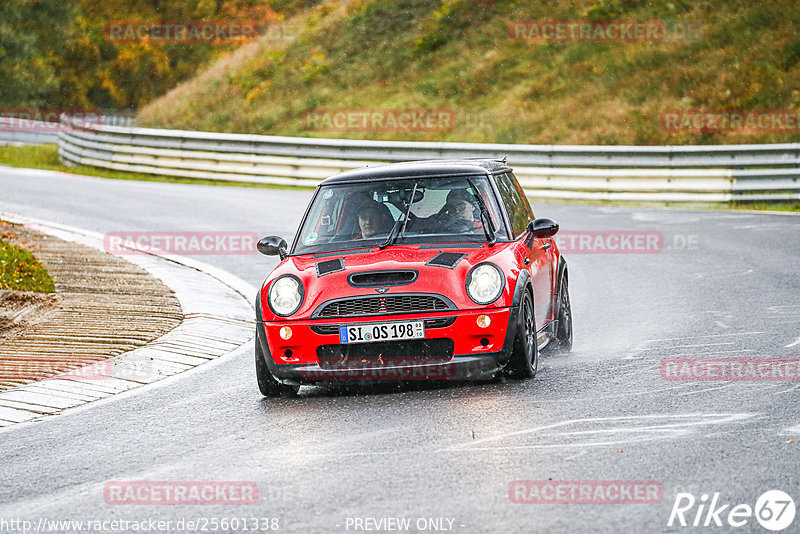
(432, 270)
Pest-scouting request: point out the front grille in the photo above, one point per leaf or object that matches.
(354, 307)
(385, 354)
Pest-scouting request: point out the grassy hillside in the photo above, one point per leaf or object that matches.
(57, 54)
(458, 55)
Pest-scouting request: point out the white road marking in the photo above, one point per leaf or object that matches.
(704, 390)
(787, 390)
(721, 325)
(793, 309)
(765, 385)
(704, 345)
(685, 346)
(582, 453)
(793, 343)
(697, 354)
(722, 274)
(677, 429)
(698, 337)
(627, 394)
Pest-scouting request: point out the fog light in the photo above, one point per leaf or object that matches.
(286, 332)
(484, 321)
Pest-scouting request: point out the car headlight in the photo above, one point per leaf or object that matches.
(485, 283)
(286, 295)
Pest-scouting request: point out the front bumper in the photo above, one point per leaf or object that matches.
(474, 352)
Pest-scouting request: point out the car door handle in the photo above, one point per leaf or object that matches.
(546, 246)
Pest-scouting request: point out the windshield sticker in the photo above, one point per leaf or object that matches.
(311, 238)
(326, 195)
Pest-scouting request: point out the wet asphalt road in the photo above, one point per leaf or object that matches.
(725, 285)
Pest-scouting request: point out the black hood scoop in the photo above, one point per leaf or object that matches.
(330, 266)
(446, 259)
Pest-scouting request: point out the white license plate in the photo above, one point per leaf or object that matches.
(370, 333)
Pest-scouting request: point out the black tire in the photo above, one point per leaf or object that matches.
(267, 384)
(564, 315)
(525, 357)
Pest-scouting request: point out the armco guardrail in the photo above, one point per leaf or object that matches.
(22, 130)
(662, 173)
(30, 133)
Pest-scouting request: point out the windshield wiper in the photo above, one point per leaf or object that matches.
(491, 239)
(391, 238)
(393, 235)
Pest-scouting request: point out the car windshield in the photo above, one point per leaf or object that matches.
(444, 210)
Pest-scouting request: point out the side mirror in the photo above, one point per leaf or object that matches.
(273, 246)
(542, 228)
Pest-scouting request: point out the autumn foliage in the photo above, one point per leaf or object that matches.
(55, 54)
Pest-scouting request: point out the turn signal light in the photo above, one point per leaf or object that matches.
(286, 333)
(484, 321)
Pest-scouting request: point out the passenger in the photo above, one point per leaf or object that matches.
(374, 219)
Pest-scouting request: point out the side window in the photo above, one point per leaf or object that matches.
(525, 202)
(519, 210)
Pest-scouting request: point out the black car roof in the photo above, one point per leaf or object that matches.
(412, 169)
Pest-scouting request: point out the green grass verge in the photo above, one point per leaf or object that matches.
(793, 206)
(46, 157)
(21, 271)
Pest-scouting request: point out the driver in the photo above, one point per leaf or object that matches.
(459, 212)
(374, 219)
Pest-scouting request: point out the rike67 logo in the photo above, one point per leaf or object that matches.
(774, 510)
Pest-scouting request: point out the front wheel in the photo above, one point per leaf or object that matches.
(564, 316)
(525, 357)
(267, 384)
